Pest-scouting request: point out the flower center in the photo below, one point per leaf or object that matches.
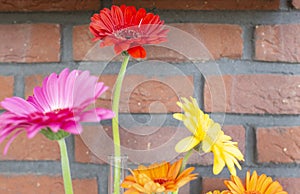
(126, 34)
(160, 180)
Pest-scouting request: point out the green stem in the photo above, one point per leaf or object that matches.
(185, 159)
(115, 124)
(65, 166)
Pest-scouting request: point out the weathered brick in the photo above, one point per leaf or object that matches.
(31, 82)
(211, 184)
(37, 148)
(272, 148)
(142, 94)
(31, 43)
(199, 42)
(85, 49)
(53, 5)
(265, 93)
(237, 133)
(290, 185)
(6, 87)
(278, 43)
(217, 38)
(44, 184)
(204, 5)
(139, 139)
(137, 142)
(296, 4)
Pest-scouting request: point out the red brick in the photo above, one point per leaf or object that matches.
(37, 148)
(272, 148)
(265, 93)
(6, 87)
(200, 42)
(211, 184)
(27, 43)
(237, 133)
(31, 82)
(278, 43)
(27, 184)
(137, 142)
(296, 4)
(139, 139)
(217, 38)
(290, 185)
(204, 5)
(53, 5)
(84, 49)
(142, 94)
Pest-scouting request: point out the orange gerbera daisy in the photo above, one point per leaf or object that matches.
(163, 177)
(127, 29)
(254, 185)
(219, 192)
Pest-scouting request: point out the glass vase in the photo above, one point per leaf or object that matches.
(116, 164)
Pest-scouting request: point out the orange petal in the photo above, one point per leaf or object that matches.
(137, 52)
(174, 169)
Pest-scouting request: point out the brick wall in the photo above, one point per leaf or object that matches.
(250, 82)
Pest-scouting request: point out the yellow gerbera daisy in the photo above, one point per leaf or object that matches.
(254, 185)
(225, 151)
(206, 131)
(195, 121)
(163, 177)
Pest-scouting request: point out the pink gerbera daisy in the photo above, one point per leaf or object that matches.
(127, 29)
(59, 105)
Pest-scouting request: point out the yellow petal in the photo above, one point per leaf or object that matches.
(174, 169)
(234, 151)
(230, 164)
(186, 144)
(253, 181)
(239, 184)
(266, 184)
(260, 181)
(247, 180)
(219, 163)
(211, 137)
(233, 187)
(178, 116)
(274, 188)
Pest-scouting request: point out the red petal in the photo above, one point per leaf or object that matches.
(140, 14)
(137, 52)
(121, 46)
(129, 14)
(117, 16)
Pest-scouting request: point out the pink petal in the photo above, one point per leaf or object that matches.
(10, 141)
(96, 115)
(40, 100)
(51, 89)
(33, 130)
(72, 127)
(18, 106)
(61, 88)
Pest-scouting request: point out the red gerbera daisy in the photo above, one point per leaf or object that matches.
(127, 29)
